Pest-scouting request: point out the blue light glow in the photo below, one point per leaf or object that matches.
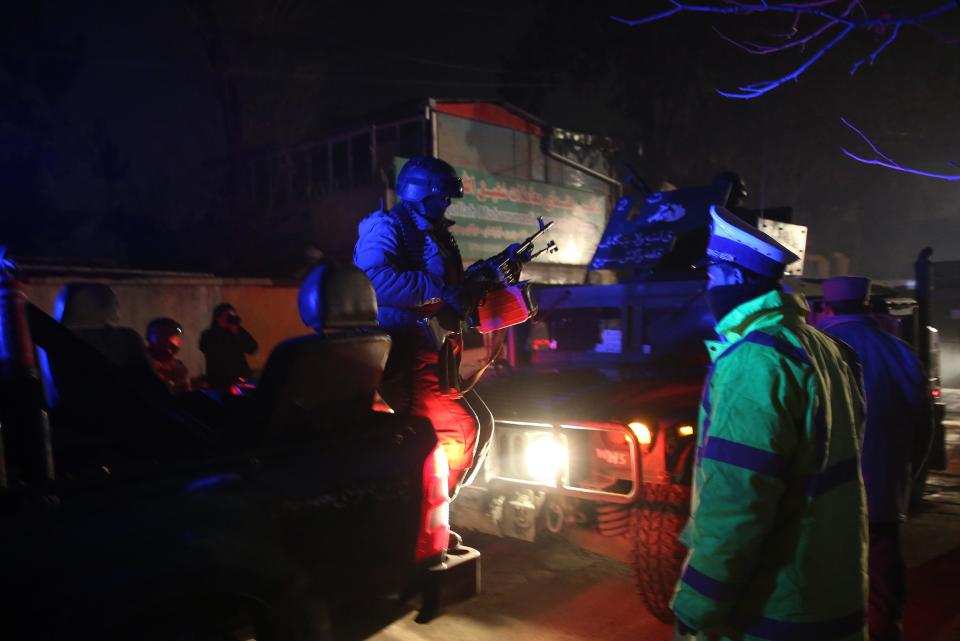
(206, 482)
(816, 8)
(883, 160)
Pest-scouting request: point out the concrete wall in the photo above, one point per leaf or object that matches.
(269, 312)
(268, 309)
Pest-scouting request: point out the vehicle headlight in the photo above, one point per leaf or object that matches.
(546, 458)
(642, 432)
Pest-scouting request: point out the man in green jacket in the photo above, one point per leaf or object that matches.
(777, 535)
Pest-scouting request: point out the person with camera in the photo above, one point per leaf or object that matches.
(225, 345)
(896, 440)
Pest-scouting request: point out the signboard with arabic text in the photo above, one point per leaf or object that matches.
(498, 210)
(666, 229)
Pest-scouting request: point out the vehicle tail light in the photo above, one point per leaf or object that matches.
(935, 392)
(435, 507)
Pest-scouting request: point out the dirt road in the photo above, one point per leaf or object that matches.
(553, 591)
(547, 591)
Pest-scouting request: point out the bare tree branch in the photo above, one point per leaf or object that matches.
(809, 8)
(815, 8)
(883, 160)
(761, 50)
(757, 89)
(660, 16)
(877, 51)
(820, 9)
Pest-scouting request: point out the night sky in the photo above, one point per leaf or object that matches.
(117, 119)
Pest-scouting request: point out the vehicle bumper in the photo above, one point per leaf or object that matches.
(508, 461)
(455, 579)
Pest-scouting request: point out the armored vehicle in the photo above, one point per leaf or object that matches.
(597, 412)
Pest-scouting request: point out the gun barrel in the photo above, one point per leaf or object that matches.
(525, 245)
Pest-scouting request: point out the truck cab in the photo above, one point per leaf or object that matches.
(597, 411)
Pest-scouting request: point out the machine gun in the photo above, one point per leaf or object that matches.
(504, 268)
(507, 300)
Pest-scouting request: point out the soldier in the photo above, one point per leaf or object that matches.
(415, 265)
(164, 338)
(777, 532)
(895, 443)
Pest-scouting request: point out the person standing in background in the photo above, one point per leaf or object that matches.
(225, 344)
(895, 444)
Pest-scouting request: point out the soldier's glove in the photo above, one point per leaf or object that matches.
(482, 270)
(463, 299)
(511, 263)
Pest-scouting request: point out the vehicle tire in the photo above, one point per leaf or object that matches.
(657, 553)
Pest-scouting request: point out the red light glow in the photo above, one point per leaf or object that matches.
(435, 509)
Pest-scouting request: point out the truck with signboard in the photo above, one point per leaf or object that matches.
(514, 167)
(596, 417)
(496, 211)
(596, 421)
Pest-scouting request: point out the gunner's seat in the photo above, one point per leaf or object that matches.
(91, 312)
(333, 374)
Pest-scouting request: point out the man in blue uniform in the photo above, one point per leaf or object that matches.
(895, 443)
(416, 269)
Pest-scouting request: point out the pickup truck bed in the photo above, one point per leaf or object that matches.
(159, 526)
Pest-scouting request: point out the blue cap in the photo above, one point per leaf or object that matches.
(734, 241)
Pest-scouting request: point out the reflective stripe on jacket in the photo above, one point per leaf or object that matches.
(777, 536)
(899, 413)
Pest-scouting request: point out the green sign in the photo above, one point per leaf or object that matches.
(497, 210)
